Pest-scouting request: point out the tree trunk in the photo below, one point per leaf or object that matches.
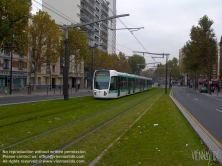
(34, 83)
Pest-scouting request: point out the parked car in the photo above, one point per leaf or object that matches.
(203, 90)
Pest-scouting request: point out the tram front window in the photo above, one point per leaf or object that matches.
(101, 80)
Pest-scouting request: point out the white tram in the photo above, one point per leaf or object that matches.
(113, 84)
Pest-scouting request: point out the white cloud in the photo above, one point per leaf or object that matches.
(167, 23)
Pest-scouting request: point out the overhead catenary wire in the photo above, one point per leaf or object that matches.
(132, 34)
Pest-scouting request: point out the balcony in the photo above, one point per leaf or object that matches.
(85, 17)
(89, 3)
(103, 30)
(96, 25)
(91, 37)
(87, 10)
(97, 4)
(105, 10)
(105, 44)
(103, 37)
(97, 12)
(96, 33)
(105, 24)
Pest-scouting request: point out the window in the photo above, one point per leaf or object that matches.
(20, 66)
(46, 80)
(61, 69)
(5, 64)
(21, 55)
(48, 66)
(82, 21)
(6, 52)
(113, 83)
(97, 16)
(96, 39)
(53, 68)
(32, 80)
(39, 80)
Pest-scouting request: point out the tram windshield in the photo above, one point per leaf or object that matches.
(101, 80)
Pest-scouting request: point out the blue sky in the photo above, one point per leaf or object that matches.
(166, 23)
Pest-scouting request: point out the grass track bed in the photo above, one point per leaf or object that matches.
(87, 114)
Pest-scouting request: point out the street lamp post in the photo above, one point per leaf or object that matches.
(187, 80)
(12, 24)
(92, 48)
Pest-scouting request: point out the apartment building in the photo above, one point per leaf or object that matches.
(82, 11)
(19, 70)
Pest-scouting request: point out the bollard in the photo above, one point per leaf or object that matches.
(47, 89)
(28, 89)
(54, 89)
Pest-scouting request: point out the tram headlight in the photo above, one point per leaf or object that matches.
(94, 92)
(105, 93)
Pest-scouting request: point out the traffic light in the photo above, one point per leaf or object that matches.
(218, 77)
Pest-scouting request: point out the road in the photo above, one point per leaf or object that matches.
(204, 108)
(35, 98)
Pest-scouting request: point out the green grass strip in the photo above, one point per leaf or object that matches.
(161, 137)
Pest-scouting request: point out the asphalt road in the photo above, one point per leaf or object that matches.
(36, 98)
(205, 109)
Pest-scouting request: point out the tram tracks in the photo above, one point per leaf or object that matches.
(63, 125)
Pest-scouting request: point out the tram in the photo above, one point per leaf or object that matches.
(113, 84)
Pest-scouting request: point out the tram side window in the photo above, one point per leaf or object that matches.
(123, 82)
(137, 83)
(113, 83)
(132, 82)
(129, 82)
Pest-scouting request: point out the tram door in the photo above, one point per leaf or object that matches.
(118, 87)
(128, 84)
(134, 84)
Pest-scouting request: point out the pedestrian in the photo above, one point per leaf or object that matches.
(78, 86)
(212, 88)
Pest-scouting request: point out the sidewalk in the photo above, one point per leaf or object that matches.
(41, 92)
(213, 94)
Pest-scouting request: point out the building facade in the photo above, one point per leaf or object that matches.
(77, 12)
(82, 11)
(19, 70)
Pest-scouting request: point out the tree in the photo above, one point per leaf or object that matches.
(175, 71)
(10, 11)
(201, 51)
(160, 71)
(44, 37)
(135, 63)
(78, 52)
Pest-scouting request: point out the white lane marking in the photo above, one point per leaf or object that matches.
(188, 94)
(195, 99)
(218, 110)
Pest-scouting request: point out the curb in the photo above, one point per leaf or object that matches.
(215, 151)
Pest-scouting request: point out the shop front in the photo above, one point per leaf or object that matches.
(18, 80)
